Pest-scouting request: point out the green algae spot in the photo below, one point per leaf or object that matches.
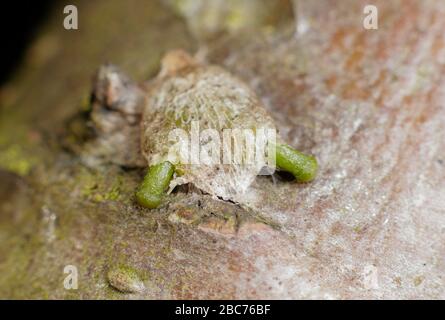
(125, 279)
(14, 159)
(98, 188)
(85, 103)
(418, 280)
(113, 194)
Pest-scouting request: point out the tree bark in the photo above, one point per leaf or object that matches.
(368, 103)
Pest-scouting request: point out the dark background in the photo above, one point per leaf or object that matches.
(19, 24)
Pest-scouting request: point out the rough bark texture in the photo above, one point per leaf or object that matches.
(369, 104)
